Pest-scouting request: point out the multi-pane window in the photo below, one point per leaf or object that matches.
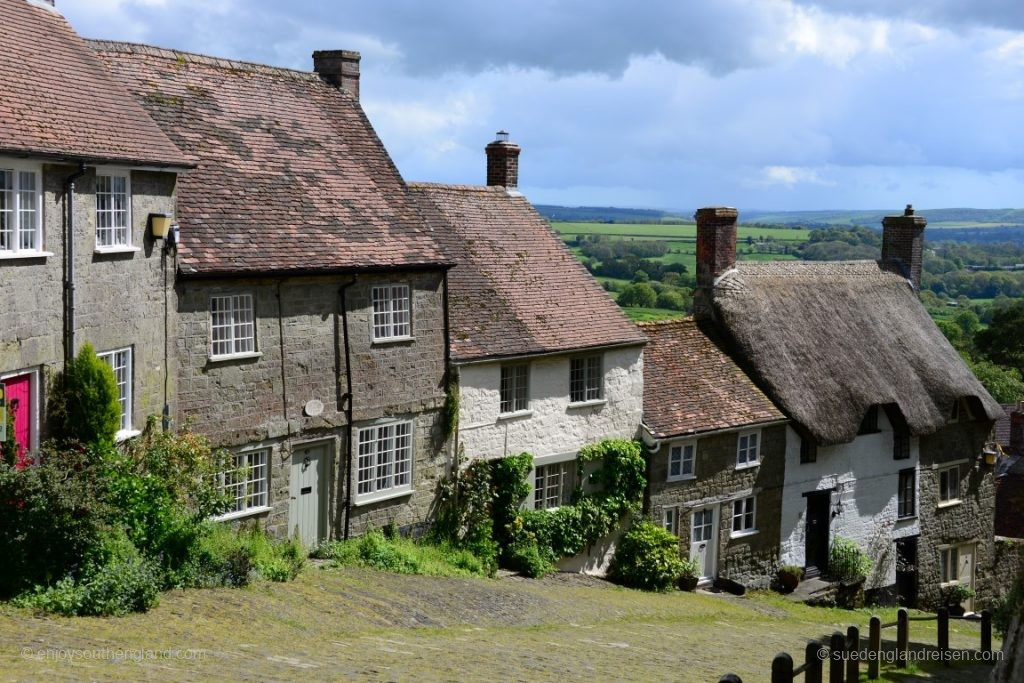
(681, 461)
(900, 445)
(703, 525)
(113, 217)
(949, 561)
(391, 317)
(743, 515)
(232, 329)
(808, 449)
(949, 484)
(120, 362)
(907, 499)
(514, 388)
(585, 379)
(747, 449)
(246, 483)
(552, 485)
(385, 459)
(669, 520)
(20, 210)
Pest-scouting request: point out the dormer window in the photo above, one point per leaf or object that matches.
(869, 425)
(113, 210)
(21, 210)
(961, 411)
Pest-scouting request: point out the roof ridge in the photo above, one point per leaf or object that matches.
(129, 47)
(666, 322)
(420, 185)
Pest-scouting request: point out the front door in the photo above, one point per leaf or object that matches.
(965, 573)
(702, 542)
(307, 517)
(18, 390)
(906, 571)
(816, 541)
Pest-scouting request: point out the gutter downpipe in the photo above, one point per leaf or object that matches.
(69, 267)
(347, 402)
(453, 459)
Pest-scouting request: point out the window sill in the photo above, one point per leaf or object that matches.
(748, 465)
(384, 341)
(588, 404)
(125, 434)
(515, 415)
(743, 534)
(907, 518)
(103, 251)
(684, 477)
(248, 512)
(23, 255)
(236, 356)
(382, 495)
(948, 504)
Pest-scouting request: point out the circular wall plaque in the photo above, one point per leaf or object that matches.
(313, 408)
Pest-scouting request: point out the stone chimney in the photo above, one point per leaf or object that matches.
(340, 68)
(1017, 430)
(903, 241)
(503, 161)
(716, 252)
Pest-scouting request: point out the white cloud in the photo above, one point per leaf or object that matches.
(793, 175)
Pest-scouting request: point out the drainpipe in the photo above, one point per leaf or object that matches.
(69, 266)
(453, 459)
(347, 403)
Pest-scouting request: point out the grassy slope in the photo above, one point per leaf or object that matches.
(333, 624)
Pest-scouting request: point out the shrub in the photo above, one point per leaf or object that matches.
(84, 405)
(647, 557)
(402, 555)
(463, 516)
(639, 294)
(955, 594)
(846, 561)
(227, 557)
(1010, 606)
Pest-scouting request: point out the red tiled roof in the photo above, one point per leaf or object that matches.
(516, 289)
(57, 100)
(291, 176)
(1001, 429)
(692, 386)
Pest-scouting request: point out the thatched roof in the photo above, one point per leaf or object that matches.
(827, 340)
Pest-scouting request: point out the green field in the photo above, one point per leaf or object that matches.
(686, 232)
(639, 315)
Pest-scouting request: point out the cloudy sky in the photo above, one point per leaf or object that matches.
(759, 104)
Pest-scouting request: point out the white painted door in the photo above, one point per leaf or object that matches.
(702, 541)
(307, 518)
(965, 573)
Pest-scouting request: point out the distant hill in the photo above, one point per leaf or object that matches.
(608, 214)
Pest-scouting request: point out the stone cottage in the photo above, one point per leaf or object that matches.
(84, 171)
(546, 361)
(888, 425)
(311, 296)
(718, 453)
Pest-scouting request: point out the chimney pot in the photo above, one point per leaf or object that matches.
(339, 68)
(503, 161)
(903, 241)
(716, 251)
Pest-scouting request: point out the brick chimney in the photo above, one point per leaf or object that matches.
(716, 252)
(1017, 430)
(340, 68)
(903, 241)
(503, 161)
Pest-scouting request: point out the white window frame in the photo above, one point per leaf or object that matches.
(389, 445)
(517, 382)
(231, 306)
(588, 388)
(949, 565)
(564, 471)
(14, 213)
(946, 499)
(747, 456)
(390, 312)
(677, 453)
(670, 520)
(253, 499)
(125, 385)
(115, 245)
(746, 516)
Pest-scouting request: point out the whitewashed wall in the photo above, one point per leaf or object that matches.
(552, 427)
(865, 478)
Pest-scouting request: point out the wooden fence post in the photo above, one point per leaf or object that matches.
(986, 631)
(813, 662)
(874, 647)
(835, 663)
(944, 633)
(902, 637)
(853, 654)
(782, 668)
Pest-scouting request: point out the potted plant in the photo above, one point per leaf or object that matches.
(689, 577)
(953, 597)
(849, 566)
(789, 577)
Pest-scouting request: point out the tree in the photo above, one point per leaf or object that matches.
(1002, 342)
(84, 404)
(640, 295)
(1005, 384)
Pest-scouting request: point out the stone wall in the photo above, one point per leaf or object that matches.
(260, 400)
(971, 521)
(749, 559)
(119, 297)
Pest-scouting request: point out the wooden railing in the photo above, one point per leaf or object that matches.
(844, 667)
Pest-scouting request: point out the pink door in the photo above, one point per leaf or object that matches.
(19, 398)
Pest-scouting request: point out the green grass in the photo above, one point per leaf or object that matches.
(401, 555)
(686, 232)
(637, 314)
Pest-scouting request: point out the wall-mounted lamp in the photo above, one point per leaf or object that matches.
(174, 236)
(159, 225)
(991, 453)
